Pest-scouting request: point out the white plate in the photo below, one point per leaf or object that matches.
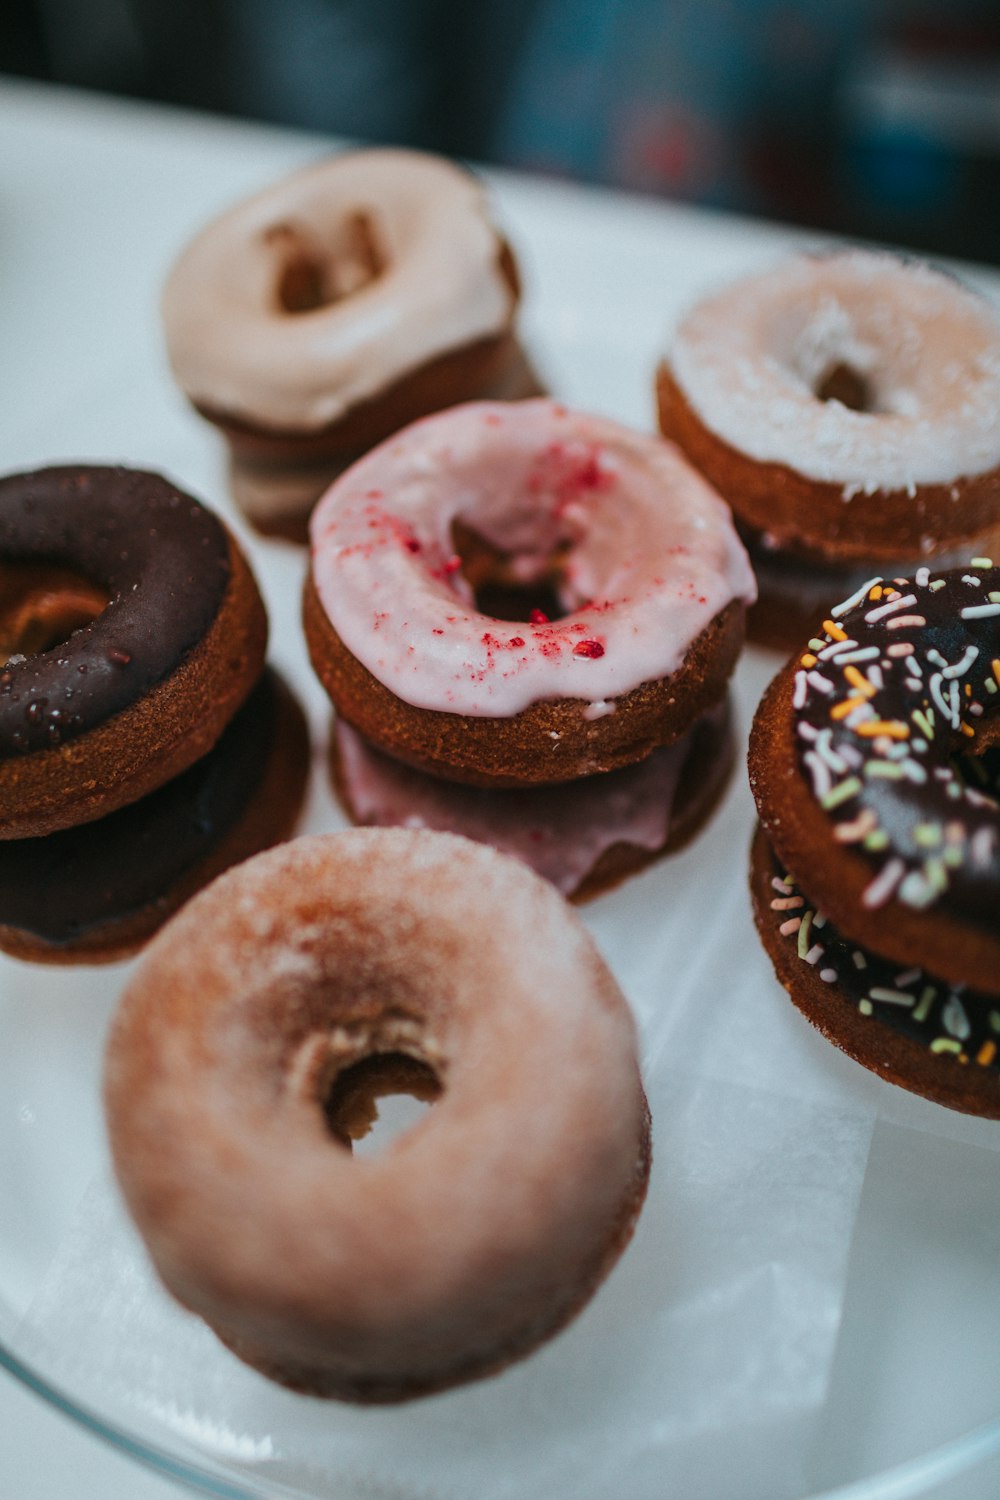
(808, 1301)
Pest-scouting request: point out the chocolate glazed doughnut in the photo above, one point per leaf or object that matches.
(133, 631)
(94, 893)
(874, 764)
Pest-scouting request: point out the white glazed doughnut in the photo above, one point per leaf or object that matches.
(472, 1236)
(320, 316)
(751, 359)
(848, 408)
(436, 284)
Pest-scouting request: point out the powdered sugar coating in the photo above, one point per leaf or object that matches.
(750, 358)
(234, 349)
(477, 1230)
(653, 557)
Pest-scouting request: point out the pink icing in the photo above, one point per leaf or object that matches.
(560, 832)
(653, 557)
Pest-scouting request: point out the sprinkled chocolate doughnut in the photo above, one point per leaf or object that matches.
(131, 629)
(647, 579)
(476, 1233)
(872, 762)
(898, 1020)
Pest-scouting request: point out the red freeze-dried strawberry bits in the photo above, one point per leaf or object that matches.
(521, 599)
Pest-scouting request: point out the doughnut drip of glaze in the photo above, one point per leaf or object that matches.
(433, 282)
(649, 558)
(560, 832)
(949, 1020)
(135, 535)
(906, 674)
(752, 361)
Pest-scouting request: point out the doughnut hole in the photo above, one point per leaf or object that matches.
(312, 275)
(42, 605)
(376, 1099)
(841, 382)
(497, 578)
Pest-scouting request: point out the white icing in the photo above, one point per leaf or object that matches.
(653, 557)
(749, 358)
(234, 349)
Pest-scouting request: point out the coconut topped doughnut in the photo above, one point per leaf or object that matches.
(865, 763)
(854, 376)
(754, 358)
(316, 294)
(471, 1236)
(647, 558)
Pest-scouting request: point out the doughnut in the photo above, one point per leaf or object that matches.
(95, 893)
(321, 315)
(897, 1020)
(644, 581)
(874, 766)
(131, 629)
(585, 836)
(473, 1235)
(847, 406)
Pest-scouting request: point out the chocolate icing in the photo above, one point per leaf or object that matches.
(64, 885)
(904, 679)
(161, 557)
(947, 1019)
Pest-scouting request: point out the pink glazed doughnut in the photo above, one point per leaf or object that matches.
(649, 579)
(472, 1236)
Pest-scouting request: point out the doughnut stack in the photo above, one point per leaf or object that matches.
(847, 406)
(321, 315)
(526, 619)
(875, 764)
(143, 745)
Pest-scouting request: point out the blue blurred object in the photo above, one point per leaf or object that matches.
(865, 117)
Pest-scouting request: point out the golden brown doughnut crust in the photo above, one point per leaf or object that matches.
(153, 740)
(792, 508)
(898, 1059)
(836, 874)
(546, 743)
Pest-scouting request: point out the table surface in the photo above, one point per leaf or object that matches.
(102, 152)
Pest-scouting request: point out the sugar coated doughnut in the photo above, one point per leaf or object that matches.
(648, 579)
(874, 764)
(131, 630)
(473, 1235)
(585, 836)
(848, 407)
(322, 314)
(96, 892)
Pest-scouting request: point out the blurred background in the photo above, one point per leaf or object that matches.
(878, 118)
